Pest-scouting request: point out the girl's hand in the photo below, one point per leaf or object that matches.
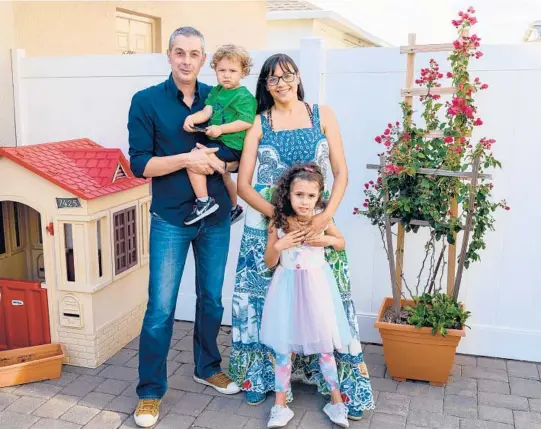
(291, 239)
(318, 224)
(320, 241)
(214, 131)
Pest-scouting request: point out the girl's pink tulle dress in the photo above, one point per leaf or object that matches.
(303, 312)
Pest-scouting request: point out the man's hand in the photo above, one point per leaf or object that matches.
(189, 125)
(218, 163)
(201, 161)
(231, 166)
(214, 131)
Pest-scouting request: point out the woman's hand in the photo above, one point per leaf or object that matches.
(291, 239)
(318, 224)
(321, 241)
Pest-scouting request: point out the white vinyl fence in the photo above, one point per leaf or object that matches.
(74, 97)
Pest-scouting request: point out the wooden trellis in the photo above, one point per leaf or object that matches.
(454, 274)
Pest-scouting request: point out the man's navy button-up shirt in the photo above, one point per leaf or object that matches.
(155, 126)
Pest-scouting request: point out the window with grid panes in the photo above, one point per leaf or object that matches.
(125, 239)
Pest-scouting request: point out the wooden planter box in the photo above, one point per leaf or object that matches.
(414, 353)
(30, 364)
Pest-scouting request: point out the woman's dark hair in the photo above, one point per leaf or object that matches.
(310, 172)
(263, 97)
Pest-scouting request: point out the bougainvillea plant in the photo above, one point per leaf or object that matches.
(444, 143)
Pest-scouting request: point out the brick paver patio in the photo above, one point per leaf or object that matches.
(482, 393)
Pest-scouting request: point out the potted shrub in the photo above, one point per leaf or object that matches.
(419, 184)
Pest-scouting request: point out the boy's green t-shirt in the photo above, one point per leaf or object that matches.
(230, 105)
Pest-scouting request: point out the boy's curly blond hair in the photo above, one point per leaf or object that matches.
(233, 53)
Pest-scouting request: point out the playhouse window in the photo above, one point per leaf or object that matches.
(68, 245)
(100, 252)
(125, 239)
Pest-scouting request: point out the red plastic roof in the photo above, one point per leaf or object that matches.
(81, 166)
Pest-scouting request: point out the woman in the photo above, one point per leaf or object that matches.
(287, 131)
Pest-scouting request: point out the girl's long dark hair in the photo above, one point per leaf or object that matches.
(263, 97)
(310, 172)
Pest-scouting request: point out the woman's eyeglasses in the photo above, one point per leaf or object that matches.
(287, 78)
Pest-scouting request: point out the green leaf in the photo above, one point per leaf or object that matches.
(438, 312)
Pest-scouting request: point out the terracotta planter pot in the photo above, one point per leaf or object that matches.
(30, 364)
(416, 354)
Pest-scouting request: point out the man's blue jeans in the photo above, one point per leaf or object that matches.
(169, 246)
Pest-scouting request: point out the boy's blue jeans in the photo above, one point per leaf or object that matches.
(169, 246)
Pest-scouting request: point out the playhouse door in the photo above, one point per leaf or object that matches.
(24, 314)
(3, 333)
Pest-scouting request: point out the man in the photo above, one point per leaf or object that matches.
(162, 150)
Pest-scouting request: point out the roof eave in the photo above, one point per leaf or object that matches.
(331, 18)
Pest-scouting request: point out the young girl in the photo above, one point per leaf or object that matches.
(230, 108)
(303, 312)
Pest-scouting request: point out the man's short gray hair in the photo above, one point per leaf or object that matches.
(186, 32)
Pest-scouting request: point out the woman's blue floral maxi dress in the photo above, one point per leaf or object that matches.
(251, 363)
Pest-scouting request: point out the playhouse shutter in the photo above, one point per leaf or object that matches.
(125, 236)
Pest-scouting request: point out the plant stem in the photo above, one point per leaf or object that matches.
(390, 253)
(467, 228)
(440, 258)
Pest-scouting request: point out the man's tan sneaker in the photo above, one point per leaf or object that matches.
(221, 382)
(147, 412)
